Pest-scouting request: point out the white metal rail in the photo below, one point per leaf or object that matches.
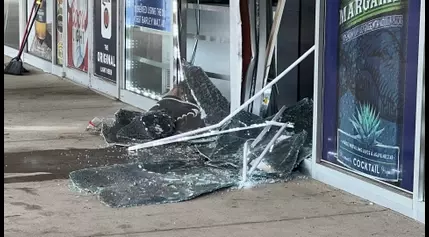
(180, 137)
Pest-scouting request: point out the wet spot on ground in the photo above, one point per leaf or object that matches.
(31, 191)
(30, 207)
(57, 164)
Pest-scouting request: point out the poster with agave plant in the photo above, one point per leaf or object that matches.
(371, 78)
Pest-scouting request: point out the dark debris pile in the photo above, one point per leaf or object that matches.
(182, 171)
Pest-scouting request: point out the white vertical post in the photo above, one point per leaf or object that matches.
(235, 53)
(272, 40)
(22, 8)
(318, 88)
(262, 57)
(183, 27)
(172, 56)
(54, 35)
(419, 156)
(120, 49)
(90, 32)
(245, 154)
(65, 37)
(22, 20)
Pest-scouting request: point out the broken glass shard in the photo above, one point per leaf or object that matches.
(133, 184)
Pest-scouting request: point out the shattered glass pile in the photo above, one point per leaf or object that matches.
(182, 171)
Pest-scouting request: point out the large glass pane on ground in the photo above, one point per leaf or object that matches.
(148, 47)
(11, 23)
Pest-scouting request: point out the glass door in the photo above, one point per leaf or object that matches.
(148, 51)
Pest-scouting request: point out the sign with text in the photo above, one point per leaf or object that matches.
(77, 34)
(375, 160)
(105, 39)
(153, 14)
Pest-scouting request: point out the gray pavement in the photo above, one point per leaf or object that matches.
(44, 113)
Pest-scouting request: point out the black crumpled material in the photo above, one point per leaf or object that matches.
(168, 117)
(192, 104)
(150, 126)
(182, 171)
(215, 106)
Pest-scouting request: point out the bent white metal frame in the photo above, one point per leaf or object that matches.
(215, 133)
(179, 137)
(267, 128)
(246, 148)
(266, 149)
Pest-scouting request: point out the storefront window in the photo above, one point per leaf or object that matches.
(77, 34)
(370, 83)
(40, 38)
(148, 46)
(11, 23)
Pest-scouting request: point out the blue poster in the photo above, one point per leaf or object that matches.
(152, 14)
(369, 98)
(371, 77)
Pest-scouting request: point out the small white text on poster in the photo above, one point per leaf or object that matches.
(151, 16)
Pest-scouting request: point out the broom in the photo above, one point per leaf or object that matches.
(15, 66)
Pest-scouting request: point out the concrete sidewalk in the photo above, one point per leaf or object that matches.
(44, 113)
